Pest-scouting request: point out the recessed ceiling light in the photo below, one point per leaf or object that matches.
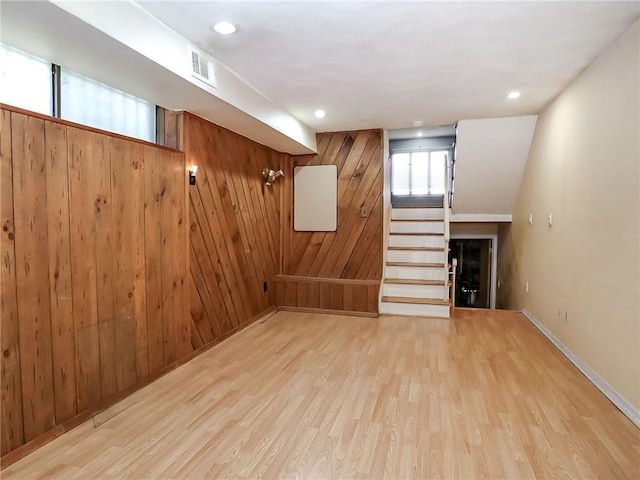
(224, 28)
(419, 134)
(513, 95)
(417, 123)
(319, 114)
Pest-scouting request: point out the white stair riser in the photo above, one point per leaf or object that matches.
(418, 273)
(417, 213)
(415, 256)
(391, 308)
(422, 227)
(414, 291)
(416, 241)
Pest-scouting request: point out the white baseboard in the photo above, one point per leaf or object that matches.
(617, 399)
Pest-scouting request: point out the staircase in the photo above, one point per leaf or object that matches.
(416, 278)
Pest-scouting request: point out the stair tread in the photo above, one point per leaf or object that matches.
(413, 281)
(418, 301)
(417, 220)
(414, 206)
(419, 249)
(418, 233)
(414, 264)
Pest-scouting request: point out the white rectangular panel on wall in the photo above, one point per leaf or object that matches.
(315, 198)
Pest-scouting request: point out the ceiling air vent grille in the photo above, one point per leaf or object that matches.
(202, 68)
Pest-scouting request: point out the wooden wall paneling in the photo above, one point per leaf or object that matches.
(266, 221)
(250, 240)
(341, 295)
(167, 246)
(31, 247)
(372, 298)
(270, 203)
(350, 222)
(348, 297)
(311, 252)
(92, 262)
(269, 214)
(245, 252)
(290, 294)
(138, 247)
(357, 265)
(360, 298)
(11, 426)
(351, 146)
(180, 222)
(301, 293)
(60, 282)
(354, 250)
(124, 223)
(153, 256)
(359, 184)
(83, 266)
(335, 297)
(173, 130)
(284, 234)
(373, 260)
(359, 158)
(105, 273)
(313, 295)
(295, 241)
(325, 296)
(235, 222)
(236, 239)
(203, 326)
(208, 241)
(221, 232)
(214, 298)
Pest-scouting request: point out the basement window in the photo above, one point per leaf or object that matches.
(25, 81)
(38, 85)
(418, 173)
(86, 101)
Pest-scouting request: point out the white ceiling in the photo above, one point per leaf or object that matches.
(384, 64)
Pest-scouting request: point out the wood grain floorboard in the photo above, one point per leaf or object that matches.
(483, 395)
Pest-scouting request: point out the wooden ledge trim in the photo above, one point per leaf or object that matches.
(350, 313)
(335, 281)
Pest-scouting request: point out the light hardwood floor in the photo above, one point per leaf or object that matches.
(319, 396)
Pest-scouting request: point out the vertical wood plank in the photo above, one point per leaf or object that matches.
(167, 246)
(123, 224)
(181, 313)
(137, 185)
(83, 266)
(153, 238)
(313, 295)
(348, 297)
(34, 314)
(325, 296)
(360, 298)
(290, 294)
(105, 275)
(60, 283)
(336, 297)
(372, 299)
(12, 434)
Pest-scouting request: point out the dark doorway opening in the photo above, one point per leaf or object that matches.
(473, 274)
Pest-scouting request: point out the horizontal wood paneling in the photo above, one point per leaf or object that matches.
(354, 250)
(91, 223)
(234, 227)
